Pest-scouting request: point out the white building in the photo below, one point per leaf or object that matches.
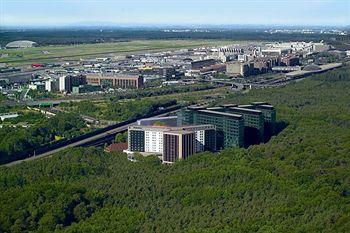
(40, 86)
(62, 83)
(154, 140)
(51, 85)
(153, 137)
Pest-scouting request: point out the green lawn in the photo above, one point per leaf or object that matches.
(30, 55)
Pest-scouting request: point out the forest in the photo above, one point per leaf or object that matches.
(118, 111)
(60, 36)
(297, 182)
(18, 142)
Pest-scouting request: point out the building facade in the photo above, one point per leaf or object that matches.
(66, 83)
(150, 139)
(116, 80)
(229, 127)
(178, 145)
(234, 123)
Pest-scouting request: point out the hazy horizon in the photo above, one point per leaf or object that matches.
(63, 13)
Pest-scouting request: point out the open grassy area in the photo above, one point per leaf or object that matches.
(57, 53)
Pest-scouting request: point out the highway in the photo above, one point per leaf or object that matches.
(84, 142)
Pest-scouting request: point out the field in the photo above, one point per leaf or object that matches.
(71, 52)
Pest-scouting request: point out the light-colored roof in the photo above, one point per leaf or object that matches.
(21, 44)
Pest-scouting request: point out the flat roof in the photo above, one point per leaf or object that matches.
(149, 127)
(229, 105)
(177, 132)
(112, 76)
(265, 106)
(258, 103)
(215, 108)
(245, 106)
(246, 110)
(194, 127)
(196, 107)
(222, 114)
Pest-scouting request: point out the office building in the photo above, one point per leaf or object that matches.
(150, 139)
(136, 139)
(205, 136)
(178, 145)
(252, 119)
(269, 113)
(239, 68)
(229, 127)
(289, 61)
(236, 125)
(66, 83)
(52, 85)
(85, 89)
(116, 80)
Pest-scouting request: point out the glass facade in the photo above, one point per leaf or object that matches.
(229, 128)
(136, 140)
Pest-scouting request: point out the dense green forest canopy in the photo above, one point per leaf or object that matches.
(16, 143)
(116, 110)
(297, 182)
(79, 36)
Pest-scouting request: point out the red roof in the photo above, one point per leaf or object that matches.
(117, 147)
(37, 65)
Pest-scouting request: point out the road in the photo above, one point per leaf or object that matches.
(81, 142)
(75, 144)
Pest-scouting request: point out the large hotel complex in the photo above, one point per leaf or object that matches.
(199, 128)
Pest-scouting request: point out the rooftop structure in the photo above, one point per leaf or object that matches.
(21, 44)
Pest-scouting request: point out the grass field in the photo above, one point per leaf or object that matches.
(67, 52)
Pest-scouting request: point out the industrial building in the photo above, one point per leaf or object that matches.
(116, 80)
(21, 44)
(196, 65)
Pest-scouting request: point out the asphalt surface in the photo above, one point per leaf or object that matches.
(79, 143)
(75, 144)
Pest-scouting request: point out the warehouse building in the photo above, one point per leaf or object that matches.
(21, 44)
(196, 65)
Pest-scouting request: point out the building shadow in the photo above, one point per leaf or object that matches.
(252, 136)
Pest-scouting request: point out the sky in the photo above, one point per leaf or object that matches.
(175, 12)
